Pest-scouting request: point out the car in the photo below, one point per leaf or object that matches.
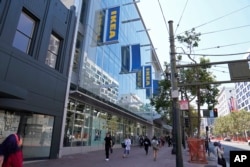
(227, 139)
(248, 141)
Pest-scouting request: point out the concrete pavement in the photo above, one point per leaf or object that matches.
(137, 158)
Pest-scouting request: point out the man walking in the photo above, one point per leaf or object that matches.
(108, 145)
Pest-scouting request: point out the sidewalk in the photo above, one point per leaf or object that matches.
(137, 158)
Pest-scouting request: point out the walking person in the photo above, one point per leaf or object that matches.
(155, 144)
(108, 145)
(219, 151)
(127, 142)
(10, 151)
(146, 144)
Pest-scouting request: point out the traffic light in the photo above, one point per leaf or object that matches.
(215, 112)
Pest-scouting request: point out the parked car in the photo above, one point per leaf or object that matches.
(248, 141)
(227, 139)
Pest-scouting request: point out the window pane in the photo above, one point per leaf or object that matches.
(51, 60)
(26, 25)
(21, 42)
(54, 44)
(24, 33)
(53, 50)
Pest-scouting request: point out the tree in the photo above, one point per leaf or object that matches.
(234, 124)
(206, 93)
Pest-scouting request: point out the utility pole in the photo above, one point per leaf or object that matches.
(177, 138)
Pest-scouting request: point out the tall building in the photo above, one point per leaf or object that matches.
(243, 93)
(35, 51)
(112, 76)
(226, 101)
(72, 71)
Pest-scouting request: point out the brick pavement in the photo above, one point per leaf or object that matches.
(137, 158)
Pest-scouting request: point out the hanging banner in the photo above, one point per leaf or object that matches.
(130, 59)
(148, 93)
(136, 58)
(125, 59)
(139, 82)
(112, 28)
(147, 76)
(97, 39)
(156, 90)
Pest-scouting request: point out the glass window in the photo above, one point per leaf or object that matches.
(77, 52)
(24, 32)
(35, 129)
(53, 51)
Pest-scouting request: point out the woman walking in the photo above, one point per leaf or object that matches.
(127, 142)
(155, 144)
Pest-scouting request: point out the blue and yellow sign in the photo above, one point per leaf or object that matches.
(147, 76)
(113, 24)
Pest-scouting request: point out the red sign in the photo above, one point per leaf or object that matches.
(183, 104)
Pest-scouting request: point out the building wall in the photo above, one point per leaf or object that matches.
(226, 101)
(32, 91)
(243, 93)
(98, 85)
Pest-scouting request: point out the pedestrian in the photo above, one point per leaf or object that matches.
(108, 145)
(127, 142)
(219, 152)
(10, 151)
(169, 140)
(155, 144)
(146, 144)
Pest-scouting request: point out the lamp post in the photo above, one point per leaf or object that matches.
(175, 105)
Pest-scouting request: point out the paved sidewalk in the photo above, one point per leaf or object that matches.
(137, 158)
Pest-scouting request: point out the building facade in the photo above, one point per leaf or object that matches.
(104, 96)
(226, 101)
(64, 76)
(35, 50)
(243, 93)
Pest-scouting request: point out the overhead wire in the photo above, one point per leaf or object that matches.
(218, 18)
(229, 54)
(181, 16)
(216, 47)
(227, 29)
(163, 16)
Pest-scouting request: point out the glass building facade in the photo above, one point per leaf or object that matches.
(102, 97)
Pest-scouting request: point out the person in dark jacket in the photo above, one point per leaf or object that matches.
(10, 151)
(108, 145)
(147, 144)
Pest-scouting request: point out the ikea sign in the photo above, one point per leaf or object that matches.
(112, 26)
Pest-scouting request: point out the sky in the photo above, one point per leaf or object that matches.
(224, 28)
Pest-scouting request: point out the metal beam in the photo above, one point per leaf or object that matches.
(211, 63)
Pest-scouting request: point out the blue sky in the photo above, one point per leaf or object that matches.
(229, 20)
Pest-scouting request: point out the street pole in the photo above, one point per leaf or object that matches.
(177, 138)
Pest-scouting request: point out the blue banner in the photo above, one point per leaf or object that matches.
(136, 58)
(125, 59)
(130, 59)
(147, 76)
(139, 77)
(113, 25)
(97, 39)
(148, 93)
(156, 90)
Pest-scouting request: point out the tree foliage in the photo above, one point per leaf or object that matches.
(236, 123)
